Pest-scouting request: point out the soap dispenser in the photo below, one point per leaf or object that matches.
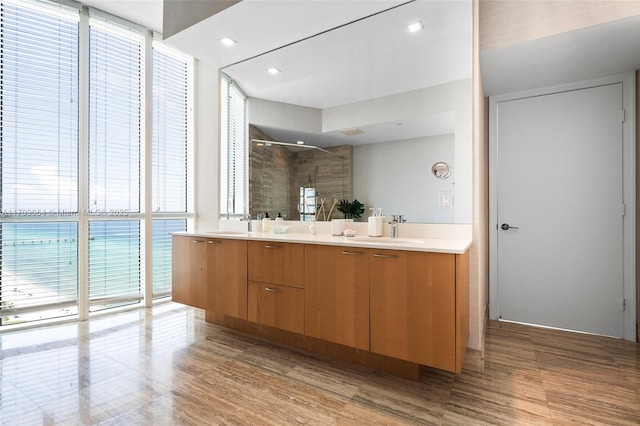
(266, 223)
(375, 222)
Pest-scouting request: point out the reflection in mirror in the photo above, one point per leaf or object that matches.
(441, 170)
(300, 182)
(398, 102)
(396, 177)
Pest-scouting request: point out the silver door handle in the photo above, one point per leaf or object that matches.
(506, 227)
(353, 253)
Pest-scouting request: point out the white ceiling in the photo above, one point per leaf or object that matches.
(583, 54)
(368, 59)
(147, 13)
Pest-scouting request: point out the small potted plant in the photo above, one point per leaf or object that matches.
(351, 209)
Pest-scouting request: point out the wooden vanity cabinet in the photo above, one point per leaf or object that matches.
(276, 285)
(336, 295)
(210, 274)
(189, 271)
(413, 306)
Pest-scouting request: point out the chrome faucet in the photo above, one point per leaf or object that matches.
(394, 226)
(395, 220)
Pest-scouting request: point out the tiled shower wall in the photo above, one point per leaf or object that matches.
(268, 176)
(276, 175)
(330, 174)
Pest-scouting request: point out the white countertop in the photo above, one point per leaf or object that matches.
(436, 245)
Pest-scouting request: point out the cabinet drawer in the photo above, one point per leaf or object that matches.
(276, 263)
(276, 306)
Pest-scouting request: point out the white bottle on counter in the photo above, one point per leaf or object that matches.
(256, 225)
(375, 223)
(266, 223)
(375, 226)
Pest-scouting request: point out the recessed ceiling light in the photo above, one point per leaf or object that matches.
(259, 144)
(273, 70)
(228, 41)
(300, 142)
(415, 27)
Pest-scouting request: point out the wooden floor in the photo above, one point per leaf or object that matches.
(167, 366)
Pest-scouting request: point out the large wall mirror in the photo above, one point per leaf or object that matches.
(376, 105)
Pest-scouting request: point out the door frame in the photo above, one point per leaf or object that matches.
(628, 184)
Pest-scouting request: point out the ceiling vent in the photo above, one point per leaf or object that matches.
(352, 132)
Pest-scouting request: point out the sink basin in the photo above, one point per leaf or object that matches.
(225, 232)
(387, 240)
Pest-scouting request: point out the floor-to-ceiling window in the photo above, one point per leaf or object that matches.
(90, 192)
(39, 96)
(115, 148)
(233, 163)
(172, 155)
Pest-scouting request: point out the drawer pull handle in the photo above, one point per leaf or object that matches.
(386, 256)
(269, 246)
(214, 242)
(275, 290)
(353, 253)
(197, 241)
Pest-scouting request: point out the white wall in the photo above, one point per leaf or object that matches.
(479, 251)
(413, 190)
(207, 148)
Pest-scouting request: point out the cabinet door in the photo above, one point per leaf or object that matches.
(276, 263)
(189, 271)
(413, 306)
(336, 295)
(227, 274)
(276, 306)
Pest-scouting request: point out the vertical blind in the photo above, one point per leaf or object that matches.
(39, 114)
(172, 156)
(116, 118)
(39, 270)
(161, 253)
(172, 129)
(38, 161)
(114, 263)
(116, 136)
(233, 149)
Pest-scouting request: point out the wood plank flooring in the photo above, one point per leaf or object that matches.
(166, 366)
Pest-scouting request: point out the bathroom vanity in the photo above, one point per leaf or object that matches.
(391, 304)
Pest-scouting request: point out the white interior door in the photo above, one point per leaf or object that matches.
(559, 197)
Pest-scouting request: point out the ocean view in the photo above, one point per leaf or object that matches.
(39, 263)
